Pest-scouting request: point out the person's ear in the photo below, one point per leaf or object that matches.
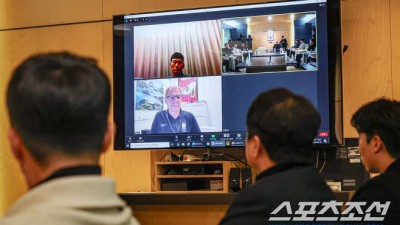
(376, 143)
(108, 136)
(253, 147)
(16, 143)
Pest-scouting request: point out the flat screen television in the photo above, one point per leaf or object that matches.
(186, 78)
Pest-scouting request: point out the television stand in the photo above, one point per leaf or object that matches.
(192, 177)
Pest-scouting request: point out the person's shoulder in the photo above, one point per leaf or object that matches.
(249, 206)
(386, 179)
(296, 179)
(254, 193)
(159, 113)
(380, 187)
(186, 113)
(253, 204)
(36, 205)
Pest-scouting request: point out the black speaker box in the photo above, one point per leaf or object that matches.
(246, 176)
(234, 179)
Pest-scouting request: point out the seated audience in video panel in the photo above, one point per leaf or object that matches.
(291, 51)
(228, 61)
(310, 53)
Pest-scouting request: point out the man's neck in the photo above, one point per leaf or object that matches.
(179, 74)
(174, 114)
(42, 172)
(73, 171)
(385, 163)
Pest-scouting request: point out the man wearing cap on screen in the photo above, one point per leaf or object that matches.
(174, 119)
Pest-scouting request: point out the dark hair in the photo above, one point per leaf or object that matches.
(286, 124)
(382, 118)
(177, 55)
(59, 103)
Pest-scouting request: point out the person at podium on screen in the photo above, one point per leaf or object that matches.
(58, 105)
(174, 119)
(249, 41)
(177, 64)
(284, 43)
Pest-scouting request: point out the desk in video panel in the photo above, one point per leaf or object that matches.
(264, 63)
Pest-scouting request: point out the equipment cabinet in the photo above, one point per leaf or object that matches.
(192, 177)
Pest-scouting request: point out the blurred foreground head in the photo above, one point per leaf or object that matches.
(58, 105)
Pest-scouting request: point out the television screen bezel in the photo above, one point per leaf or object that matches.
(334, 76)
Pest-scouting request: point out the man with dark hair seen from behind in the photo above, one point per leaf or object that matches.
(378, 127)
(281, 127)
(177, 64)
(58, 104)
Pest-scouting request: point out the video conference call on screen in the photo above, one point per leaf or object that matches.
(185, 79)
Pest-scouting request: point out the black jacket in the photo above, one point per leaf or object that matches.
(292, 182)
(385, 187)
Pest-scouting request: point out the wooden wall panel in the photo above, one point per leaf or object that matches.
(15, 46)
(12, 183)
(367, 62)
(259, 33)
(130, 169)
(112, 7)
(395, 46)
(16, 14)
(181, 214)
